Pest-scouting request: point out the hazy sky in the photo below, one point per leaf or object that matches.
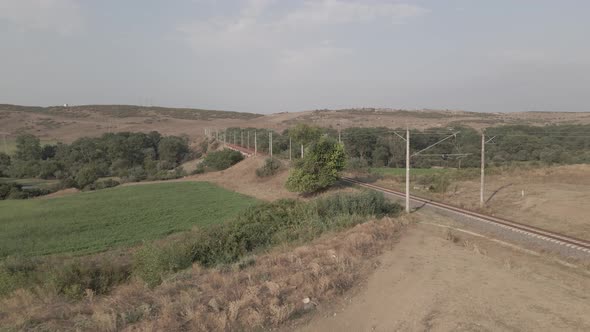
(272, 56)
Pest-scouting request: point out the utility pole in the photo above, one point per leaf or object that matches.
(483, 165)
(339, 136)
(407, 170)
(248, 140)
(241, 138)
(408, 156)
(270, 143)
(234, 138)
(301, 151)
(289, 148)
(255, 144)
(224, 135)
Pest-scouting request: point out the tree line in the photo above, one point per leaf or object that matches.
(555, 144)
(130, 156)
(381, 147)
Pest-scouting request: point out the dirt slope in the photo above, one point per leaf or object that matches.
(242, 178)
(429, 283)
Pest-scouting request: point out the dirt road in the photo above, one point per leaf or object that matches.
(430, 283)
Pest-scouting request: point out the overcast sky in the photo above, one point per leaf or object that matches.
(271, 56)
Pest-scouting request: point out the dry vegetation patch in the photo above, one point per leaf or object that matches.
(258, 292)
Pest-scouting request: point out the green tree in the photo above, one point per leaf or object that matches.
(304, 134)
(28, 147)
(319, 168)
(4, 164)
(86, 175)
(172, 149)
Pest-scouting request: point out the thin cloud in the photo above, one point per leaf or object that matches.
(60, 16)
(330, 12)
(292, 37)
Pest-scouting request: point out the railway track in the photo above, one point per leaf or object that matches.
(522, 229)
(554, 240)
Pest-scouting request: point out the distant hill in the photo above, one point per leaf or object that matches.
(59, 123)
(125, 111)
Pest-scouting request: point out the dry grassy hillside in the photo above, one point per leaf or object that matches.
(68, 123)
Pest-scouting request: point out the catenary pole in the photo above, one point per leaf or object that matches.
(407, 170)
(270, 143)
(483, 165)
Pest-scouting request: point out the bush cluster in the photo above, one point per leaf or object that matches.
(220, 160)
(70, 278)
(271, 167)
(16, 191)
(260, 227)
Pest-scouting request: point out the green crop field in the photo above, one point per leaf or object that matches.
(97, 221)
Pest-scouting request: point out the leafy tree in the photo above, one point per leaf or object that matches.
(4, 164)
(48, 151)
(28, 147)
(319, 168)
(305, 134)
(49, 168)
(86, 175)
(173, 149)
(24, 168)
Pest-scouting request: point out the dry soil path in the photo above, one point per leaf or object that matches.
(429, 283)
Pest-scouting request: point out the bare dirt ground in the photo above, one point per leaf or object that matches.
(433, 281)
(242, 178)
(554, 198)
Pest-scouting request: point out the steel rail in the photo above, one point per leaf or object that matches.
(540, 233)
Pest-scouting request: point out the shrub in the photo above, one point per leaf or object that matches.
(72, 279)
(16, 191)
(69, 278)
(357, 164)
(86, 176)
(199, 170)
(319, 168)
(103, 184)
(220, 160)
(271, 167)
(151, 263)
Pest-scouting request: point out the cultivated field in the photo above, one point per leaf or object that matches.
(96, 221)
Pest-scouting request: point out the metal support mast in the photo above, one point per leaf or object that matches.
(407, 170)
(270, 144)
(483, 165)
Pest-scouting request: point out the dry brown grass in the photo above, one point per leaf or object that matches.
(250, 295)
